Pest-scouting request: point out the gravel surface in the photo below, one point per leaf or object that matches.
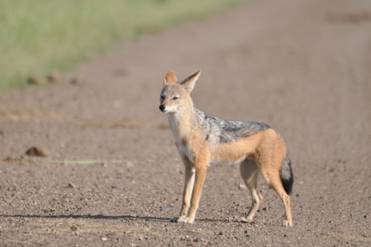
(111, 175)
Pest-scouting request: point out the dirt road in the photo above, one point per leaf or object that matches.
(112, 176)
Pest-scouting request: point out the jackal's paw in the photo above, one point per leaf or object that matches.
(181, 218)
(287, 223)
(246, 219)
(184, 219)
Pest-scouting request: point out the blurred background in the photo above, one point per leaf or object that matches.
(87, 158)
(44, 36)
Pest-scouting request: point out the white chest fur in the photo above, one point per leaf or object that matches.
(179, 135)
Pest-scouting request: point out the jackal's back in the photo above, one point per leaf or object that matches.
(217, 130)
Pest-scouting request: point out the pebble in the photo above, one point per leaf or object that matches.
(36, 151)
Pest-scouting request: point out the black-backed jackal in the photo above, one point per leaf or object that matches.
(202, 139)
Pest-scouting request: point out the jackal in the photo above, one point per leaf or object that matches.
(201, 139)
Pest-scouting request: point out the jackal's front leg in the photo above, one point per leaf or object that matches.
(196, 195)
(189, 179)
(199, 166)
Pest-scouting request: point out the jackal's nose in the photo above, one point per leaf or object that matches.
(162, 108)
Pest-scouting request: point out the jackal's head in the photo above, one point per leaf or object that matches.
(176, 95)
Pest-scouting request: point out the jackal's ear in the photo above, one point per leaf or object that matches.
(170, 77)
(190, 82)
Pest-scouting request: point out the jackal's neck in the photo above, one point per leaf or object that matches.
(183, 121)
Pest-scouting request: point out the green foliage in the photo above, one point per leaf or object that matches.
(39, 36)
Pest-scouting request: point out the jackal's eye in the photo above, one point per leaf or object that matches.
(175, 98)
(162, 97)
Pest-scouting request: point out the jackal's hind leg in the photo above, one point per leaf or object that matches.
(249, 173)
(271, 165)
(278, 187)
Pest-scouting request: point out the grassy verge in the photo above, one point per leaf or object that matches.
(41, 36)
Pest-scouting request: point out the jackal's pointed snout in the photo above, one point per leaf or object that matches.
(162, 108)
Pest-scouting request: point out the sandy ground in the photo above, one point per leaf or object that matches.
(112, 176)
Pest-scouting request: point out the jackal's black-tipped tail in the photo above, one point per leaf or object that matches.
(287, 176)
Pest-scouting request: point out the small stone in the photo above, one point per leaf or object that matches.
(35, 80)
(75, 80)
(331, 170)
(54, 77)
(71, 185)
(73, 228)
(8, 159)
(220, 233)
(36, 151)
(104, 238)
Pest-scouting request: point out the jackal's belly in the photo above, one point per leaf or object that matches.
(236, 151)
(229, 152)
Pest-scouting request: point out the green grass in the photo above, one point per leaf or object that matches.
(41, 36)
